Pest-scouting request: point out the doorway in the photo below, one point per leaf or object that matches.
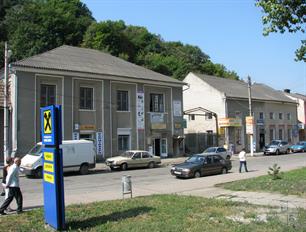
(156, 147)
(262, 139)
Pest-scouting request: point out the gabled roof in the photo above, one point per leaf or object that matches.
(239, 89)
(297, 95)
(84, 60)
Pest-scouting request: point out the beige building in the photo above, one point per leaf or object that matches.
(117, 104)
(275, 115)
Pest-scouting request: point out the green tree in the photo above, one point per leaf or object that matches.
(285, 15)
(36, 26)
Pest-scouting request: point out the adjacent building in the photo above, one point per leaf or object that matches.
(301, 111)
(275, 115)
(115, 103)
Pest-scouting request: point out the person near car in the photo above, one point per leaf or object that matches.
(9, 163)
(12, 183)
(242, 159)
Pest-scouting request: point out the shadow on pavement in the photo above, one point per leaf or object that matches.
(98, 220)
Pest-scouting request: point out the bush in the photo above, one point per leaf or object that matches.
(275, 172)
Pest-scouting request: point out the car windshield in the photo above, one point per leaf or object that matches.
(35, 150)
(127, 154)
(195, 159)
(300, 143)
(274, 142)
(210, 149)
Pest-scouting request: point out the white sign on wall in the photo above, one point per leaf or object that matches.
(177, 108)
(100, 143)
(140, 110)
(75, 135)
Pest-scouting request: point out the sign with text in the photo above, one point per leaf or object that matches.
(230, 122)
(249, 124)
(53, 183)
(140, 110)
(100, 143)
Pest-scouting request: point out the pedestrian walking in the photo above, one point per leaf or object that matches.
(242, 159)
(12, 183)
(9, 162)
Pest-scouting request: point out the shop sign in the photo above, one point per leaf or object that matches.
(87, 127)
(230, 122)
(249, 123)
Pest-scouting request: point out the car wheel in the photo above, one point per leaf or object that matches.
(38, 172)
(265, 153)
(124, 166)
(151, 165)
(112, 168)
(228, 157)
(288, 151)
(277, 152)
(197, 174)
(84, 169)
(224, 170)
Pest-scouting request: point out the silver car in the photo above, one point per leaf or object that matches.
(277, 147)
(218, 151)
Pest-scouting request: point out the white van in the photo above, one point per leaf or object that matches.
(78, 155)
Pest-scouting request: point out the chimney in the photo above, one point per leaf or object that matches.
(287, 90)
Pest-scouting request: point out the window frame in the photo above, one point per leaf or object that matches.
(47, 97)
(161, 108)
(121, 143)
(85, 100)
(121, 102)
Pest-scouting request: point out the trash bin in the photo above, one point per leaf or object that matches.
(126, 185)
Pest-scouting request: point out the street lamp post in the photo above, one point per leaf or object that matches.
(6, 116)
(250, 113)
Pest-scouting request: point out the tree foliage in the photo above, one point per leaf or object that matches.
(36, 26)
(285, 15)
(138, 45)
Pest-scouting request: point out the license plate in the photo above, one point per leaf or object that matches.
(179, 173)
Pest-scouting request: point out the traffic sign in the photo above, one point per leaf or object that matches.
(48, 125)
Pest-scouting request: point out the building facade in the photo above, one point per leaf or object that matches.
(275, 115)
(115, 103)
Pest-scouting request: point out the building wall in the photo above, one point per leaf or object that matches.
(203, 95)
(1, 134)
(104, 116)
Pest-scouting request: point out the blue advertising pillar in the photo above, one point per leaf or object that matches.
(53, 182)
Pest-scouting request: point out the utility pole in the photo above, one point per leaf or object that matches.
(6, 132)
(250, 113)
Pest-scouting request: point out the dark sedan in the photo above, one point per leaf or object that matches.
(199, 165)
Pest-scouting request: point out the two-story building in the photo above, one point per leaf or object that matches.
(117, 104)
(275, 115)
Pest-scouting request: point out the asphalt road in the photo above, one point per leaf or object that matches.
(106, 185)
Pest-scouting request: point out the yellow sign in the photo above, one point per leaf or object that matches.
(49, 178)
(249, 120)
(47, 122)
(87, 127)
(177, 125)
(228, 122)
(158, 126)
(48, 156)
(249, 123)
(48, 167)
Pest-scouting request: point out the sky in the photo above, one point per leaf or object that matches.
(229, 31)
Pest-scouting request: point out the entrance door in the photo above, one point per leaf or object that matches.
(261, 140)
(156, 147)
(164, 152)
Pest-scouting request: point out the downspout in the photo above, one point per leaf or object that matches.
(15, 117)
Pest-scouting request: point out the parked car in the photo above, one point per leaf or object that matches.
(133, 159)
(218, 151)
(199, 165)
(78, 155)
(277, 147)
(299, 147)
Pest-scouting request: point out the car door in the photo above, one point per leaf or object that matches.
(208, 165)
(146, 158)
(217, 165)
(283, 147)
(136, 160)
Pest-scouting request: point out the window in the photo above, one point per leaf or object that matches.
(209, 159)
(272, 134)
(271, 115)
(86, 98)
(289, 116)
(208, 116)
(221, 149)
(191, 117)
(156, 103)
(122, 100)
(47, 95)
(280, 134)
(145, 155)
(123, 142)
(137, 155)
(261, 115)
(216, 159)
(280, 115)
